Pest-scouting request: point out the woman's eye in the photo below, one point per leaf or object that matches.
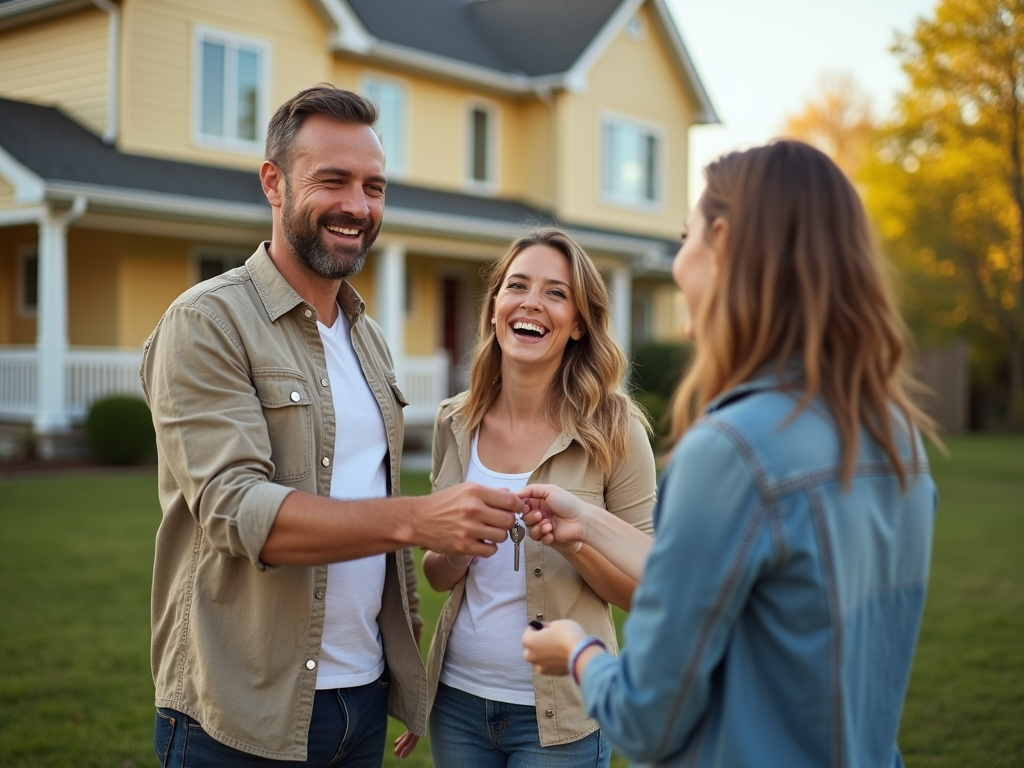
(559, 294)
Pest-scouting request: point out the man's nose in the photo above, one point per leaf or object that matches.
(354, 202)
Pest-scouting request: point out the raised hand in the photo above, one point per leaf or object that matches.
(466, 519)
(553, 515)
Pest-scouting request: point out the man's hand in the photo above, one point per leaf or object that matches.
(405, 744)
(548, 649)
(466, 519)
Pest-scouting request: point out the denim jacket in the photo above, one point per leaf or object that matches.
(778, 612)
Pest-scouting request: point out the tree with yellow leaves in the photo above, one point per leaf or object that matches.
(945, 184)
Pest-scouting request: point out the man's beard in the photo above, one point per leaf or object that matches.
(307, 241)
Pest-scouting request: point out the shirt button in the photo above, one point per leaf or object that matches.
(325, 461)
(308, 313)
(549, 712)
(324, 382)
(312, 665)
(319, 594)
(536, 571)
(295, 396)
(540, 617)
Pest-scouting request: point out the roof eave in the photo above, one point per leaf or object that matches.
(19, 12)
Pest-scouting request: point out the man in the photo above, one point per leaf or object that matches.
(281, 613)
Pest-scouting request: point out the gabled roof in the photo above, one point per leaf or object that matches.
(50, 157)
(510, 45)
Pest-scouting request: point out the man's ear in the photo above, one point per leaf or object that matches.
(273, 181)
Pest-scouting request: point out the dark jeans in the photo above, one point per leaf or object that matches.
(348, 728)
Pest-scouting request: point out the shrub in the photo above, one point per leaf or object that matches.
(119, 430)
(658, 367)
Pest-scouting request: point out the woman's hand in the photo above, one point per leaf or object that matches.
(548, 649)
(554, 516)
(405, 744)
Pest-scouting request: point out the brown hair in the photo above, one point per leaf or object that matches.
(800, 277)
(323, 99)
(586, 395)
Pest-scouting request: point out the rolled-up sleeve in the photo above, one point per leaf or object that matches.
(211, 430)
(694, 586)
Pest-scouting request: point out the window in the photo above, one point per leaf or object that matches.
(231, 84)
(211, 262)
(28, 281)
(391, 125)
(631, 155)
(482, 146)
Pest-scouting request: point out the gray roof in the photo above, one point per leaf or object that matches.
(57, 149)
(531, 37)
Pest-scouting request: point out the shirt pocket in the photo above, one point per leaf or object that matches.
(288, 411)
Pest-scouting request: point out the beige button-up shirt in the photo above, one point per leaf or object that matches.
(554, 590)
(236, 378)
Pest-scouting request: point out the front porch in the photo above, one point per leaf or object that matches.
(90, 373)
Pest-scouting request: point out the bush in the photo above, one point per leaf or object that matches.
(119, 430)
(658, 367)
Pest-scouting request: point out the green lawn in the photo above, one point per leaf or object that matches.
(74, 618)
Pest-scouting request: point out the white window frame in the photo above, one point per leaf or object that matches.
(231, 42)
(606, 196)
(490, 184)
(24, 253)
(394, 167)
(205, 251)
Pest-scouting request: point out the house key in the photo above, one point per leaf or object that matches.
(516, 532)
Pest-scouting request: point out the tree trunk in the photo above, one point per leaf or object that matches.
(1016, 402)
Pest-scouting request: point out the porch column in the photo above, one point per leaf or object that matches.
(52, 416)
(390, 294)
(622, 305)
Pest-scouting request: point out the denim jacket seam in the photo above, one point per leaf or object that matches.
(836, 738)
(728, 588)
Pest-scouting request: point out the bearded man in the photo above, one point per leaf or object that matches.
(284, 626)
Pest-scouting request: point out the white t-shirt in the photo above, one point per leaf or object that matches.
(484, 655)
(351, 650)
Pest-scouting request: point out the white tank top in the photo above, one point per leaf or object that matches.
(484, 655)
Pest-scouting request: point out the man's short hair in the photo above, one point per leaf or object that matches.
(323, 99)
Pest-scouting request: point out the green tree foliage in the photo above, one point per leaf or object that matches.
(945, 185)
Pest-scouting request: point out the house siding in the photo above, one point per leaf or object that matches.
(159, 38)
(14, 328)
(635, 79)
(61, 61)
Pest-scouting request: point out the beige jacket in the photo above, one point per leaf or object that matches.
(554, 590)
(236, 378)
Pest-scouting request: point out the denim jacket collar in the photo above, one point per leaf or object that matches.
(769, 376)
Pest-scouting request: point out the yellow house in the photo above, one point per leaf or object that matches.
(131, 133)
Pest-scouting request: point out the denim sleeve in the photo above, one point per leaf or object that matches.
(695, 583)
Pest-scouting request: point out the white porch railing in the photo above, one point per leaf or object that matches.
(94, 372)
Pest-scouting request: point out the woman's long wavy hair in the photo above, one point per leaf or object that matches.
(585, 398)
(800, 277)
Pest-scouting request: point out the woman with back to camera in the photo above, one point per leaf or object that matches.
(545, 405)
(779, 605)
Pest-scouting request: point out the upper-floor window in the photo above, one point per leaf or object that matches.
(28, 281)
(631, 158)
(231, 90)
(482, 142)
(389, 96)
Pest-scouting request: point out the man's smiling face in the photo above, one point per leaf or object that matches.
(333, 197)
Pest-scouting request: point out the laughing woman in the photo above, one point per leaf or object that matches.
(545, 405)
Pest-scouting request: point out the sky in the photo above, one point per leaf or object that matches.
(761, 60)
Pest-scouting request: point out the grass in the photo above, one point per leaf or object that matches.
(75, 573)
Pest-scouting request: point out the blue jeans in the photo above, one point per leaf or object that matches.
(469, 732)
(348, 728)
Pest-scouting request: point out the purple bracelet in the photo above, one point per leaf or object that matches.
(581, 646)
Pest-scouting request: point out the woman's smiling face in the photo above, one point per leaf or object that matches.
(534, 310)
